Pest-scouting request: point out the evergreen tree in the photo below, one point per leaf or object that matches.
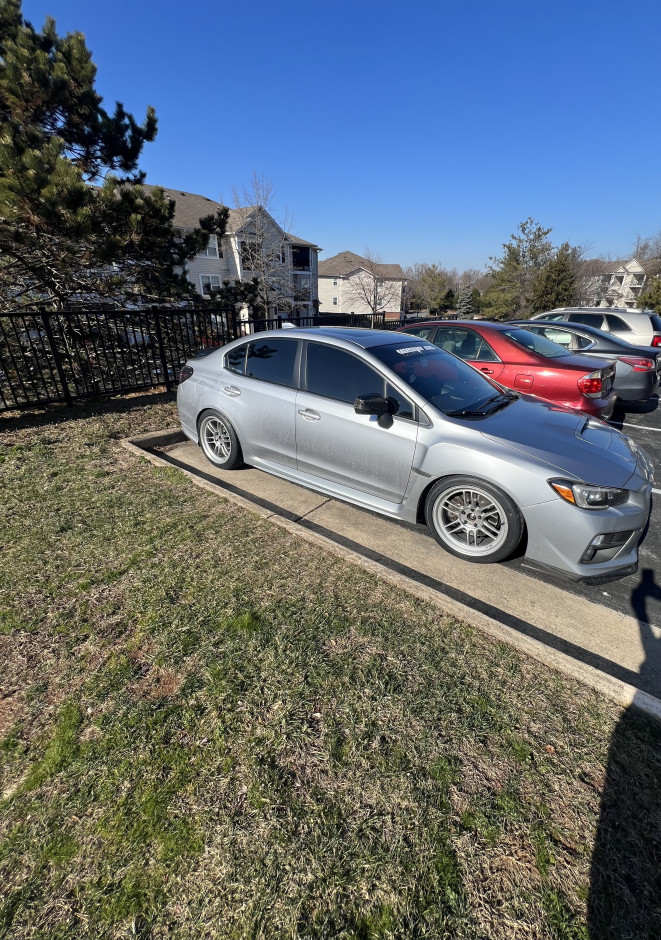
(447, 301)
(465, 303)
(650, 299)
(513, 275)
(556, 284)
(60, 237)
(427, 285)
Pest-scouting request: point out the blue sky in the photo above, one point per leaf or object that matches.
(420, 131)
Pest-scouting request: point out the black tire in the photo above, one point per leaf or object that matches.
(473, 520)
(219, 441)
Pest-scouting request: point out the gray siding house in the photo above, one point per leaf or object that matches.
(253, 245)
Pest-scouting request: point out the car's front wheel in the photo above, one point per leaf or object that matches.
(473, 519)
(219, 441)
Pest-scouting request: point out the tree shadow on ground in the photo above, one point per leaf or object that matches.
(81, 409)
(625, 878)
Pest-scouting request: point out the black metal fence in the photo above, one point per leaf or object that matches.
(61, 356)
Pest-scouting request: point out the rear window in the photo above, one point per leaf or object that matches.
(656, 323)
(617, 324)
(273, 360)
(537, 344)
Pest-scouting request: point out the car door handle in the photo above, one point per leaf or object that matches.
(232, 391)
(309, 415)
(488, 371)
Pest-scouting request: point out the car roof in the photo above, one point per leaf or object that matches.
(367, 339)
(619, 311)
(492, 324)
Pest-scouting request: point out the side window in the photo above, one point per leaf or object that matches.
(617, 324)
(581, 342)
(405, 409)
(337, 374)
(235, 360)
(589, 319)
(468, 347)
(273, 360)
(484, 352)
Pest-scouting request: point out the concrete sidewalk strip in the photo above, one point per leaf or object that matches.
(587, 641)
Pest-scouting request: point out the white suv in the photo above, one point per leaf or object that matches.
(640, 327)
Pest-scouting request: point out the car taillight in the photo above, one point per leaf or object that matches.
(656, 340)
(638, 365)
(590, 384)
(186, 372)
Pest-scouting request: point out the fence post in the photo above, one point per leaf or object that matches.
(58, 361)
(161, 351)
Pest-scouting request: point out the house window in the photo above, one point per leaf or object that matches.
(300, 258)
(334, 282)
(247, 254)
(209, 284)
(335, 301)
(211, 251)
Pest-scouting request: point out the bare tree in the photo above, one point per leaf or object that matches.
(377, 285)
(647, 249)
(268, 253)
(592, 280)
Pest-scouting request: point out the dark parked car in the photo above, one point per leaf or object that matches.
(527, 363)
(638, 367)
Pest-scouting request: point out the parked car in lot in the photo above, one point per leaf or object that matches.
(637, 367)
(396, 425)
(528, 363)
(639, 327)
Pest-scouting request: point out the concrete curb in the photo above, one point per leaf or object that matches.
(616, 690)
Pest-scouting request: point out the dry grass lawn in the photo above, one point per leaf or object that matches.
(210, 729)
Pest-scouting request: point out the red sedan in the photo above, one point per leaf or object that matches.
(525, 362)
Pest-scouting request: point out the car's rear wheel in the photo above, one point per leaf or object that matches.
(219, 441)
(473, 519)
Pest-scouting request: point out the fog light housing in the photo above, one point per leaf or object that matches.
(605, 542)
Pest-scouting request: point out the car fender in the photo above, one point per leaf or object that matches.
(492, 463)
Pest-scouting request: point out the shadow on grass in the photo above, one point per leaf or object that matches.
(81, 409)
(625, 877)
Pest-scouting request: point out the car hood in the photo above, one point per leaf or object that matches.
(566, 440)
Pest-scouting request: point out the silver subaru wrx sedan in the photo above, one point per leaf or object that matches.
(394, 424)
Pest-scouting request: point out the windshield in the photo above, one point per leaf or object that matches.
(449, 384)
(535, 343)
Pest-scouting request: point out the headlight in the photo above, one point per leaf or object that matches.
(589, 496)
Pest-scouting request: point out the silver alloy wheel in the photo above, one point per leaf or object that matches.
(216, 439)
(471, 520)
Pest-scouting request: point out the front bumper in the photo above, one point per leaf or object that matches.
(560, 535)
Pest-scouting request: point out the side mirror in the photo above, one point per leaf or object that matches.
(371, 404)
(374, 404)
